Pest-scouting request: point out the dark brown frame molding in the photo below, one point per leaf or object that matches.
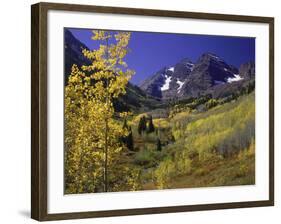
(39, 110)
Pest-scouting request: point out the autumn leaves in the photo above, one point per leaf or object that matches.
(93, 150)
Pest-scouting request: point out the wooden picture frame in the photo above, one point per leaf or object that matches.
(39, 110)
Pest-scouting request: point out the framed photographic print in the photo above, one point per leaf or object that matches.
(138, 111)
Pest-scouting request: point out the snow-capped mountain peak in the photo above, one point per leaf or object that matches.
(192, 79)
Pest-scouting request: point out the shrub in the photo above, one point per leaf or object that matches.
(247, 152)
(183, 164)
(211, 103)
(147, 158)
(164, 173)
(200, 172)
(242, 171)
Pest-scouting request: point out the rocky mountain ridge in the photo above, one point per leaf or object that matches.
(188, 79)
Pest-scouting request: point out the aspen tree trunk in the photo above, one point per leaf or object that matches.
(106, 134)
(106, 158)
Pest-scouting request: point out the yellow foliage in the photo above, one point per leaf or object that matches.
(213, 134)
(248, 152)
(93, 151)
(180, 116)
(164, 173)
(161, 122)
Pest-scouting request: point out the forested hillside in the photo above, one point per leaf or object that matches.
(210, 148)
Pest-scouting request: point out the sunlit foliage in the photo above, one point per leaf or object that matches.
(94, 154)
(214, 136)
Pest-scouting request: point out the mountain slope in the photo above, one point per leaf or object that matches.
(73, 53)
(209, 70)
(136, 100)
(168, 81)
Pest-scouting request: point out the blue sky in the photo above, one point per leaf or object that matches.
(152, 51)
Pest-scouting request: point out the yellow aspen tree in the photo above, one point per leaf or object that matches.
(83, 154)
(94, 154)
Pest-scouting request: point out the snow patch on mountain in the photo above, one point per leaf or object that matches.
(172, 69)
(180, 83)
(166, 85)
(236, 78)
